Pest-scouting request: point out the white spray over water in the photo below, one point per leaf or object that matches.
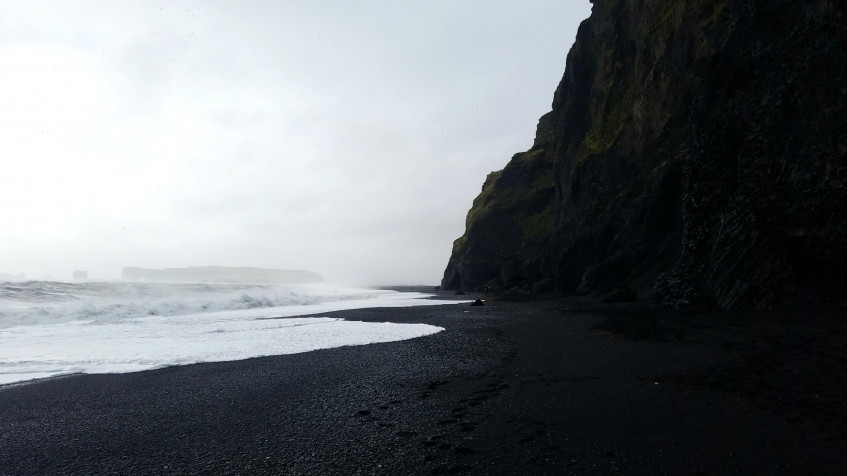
(49, 329)
(48, 302)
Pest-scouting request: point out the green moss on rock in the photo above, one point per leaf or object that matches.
(695, 149)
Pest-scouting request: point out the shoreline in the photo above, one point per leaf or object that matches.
(553, 386)
(40, 379)
(117, 343)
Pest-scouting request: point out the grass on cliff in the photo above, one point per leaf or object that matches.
(497, 197)
(609, 125)
(619, 96)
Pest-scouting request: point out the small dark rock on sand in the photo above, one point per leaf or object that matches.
(478, 302)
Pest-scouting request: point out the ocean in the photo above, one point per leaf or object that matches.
(56, 328)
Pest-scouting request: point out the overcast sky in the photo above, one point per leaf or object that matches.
(343, 137)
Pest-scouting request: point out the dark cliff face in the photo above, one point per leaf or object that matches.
(510, 221)
(699, 154)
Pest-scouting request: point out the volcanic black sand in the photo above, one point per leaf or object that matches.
(552, 386)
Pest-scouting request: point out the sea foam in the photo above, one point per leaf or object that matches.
(49, 302)
(121, 342)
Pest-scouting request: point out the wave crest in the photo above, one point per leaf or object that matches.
(47, 302)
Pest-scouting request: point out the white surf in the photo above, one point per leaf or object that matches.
(112, 328)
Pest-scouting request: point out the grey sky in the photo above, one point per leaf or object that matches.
(347, 138)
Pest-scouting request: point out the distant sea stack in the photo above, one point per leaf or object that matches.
(696, 153)
(220, 274)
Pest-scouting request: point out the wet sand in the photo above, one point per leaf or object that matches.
(552, 386)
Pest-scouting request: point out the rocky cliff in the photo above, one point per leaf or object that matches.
(697, 151)
(510, 221)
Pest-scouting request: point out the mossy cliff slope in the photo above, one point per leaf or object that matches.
(509, 222)
(699, 155)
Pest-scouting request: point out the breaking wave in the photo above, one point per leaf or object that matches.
(49, 302)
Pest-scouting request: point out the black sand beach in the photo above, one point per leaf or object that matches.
(552, 386)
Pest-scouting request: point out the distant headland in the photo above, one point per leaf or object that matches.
(220, 274)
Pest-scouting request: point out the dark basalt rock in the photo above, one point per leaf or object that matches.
(510, 221)
(696, 150)
(620, 295)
